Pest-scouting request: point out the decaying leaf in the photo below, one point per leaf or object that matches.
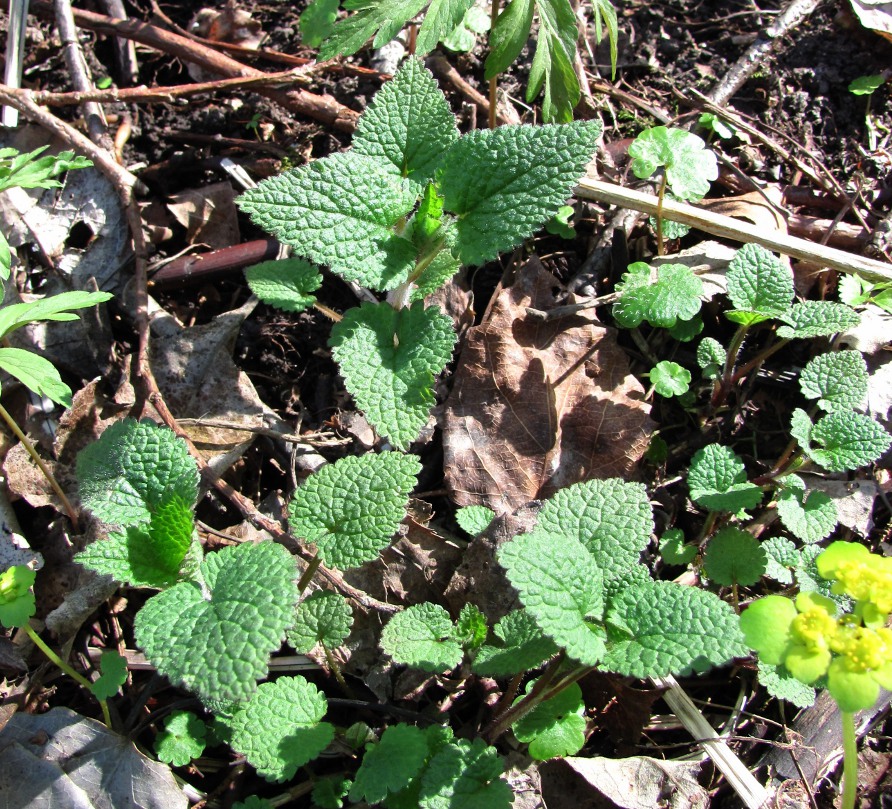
(62, 759)
(639, 782)
(208, 214)
(538, 406)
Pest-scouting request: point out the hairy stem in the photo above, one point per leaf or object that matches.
(307, 577)
(336, 670)
(78, 678)
(501, 723)
(721, 392)
(26, 443)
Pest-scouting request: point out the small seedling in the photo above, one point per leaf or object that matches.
(688, 166)
(867, 86)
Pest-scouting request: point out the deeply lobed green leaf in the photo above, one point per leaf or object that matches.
(352, 508)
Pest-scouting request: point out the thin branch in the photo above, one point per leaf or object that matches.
(323, 108)
(160, 95)
(735, 229)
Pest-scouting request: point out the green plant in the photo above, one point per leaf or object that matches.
(688, 167)
(552, 72)
(867, 86)
(848, 651)
(422, 202)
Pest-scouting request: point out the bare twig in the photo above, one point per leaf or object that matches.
(23, 101)
(159, 95)
(758, 52)
(446, 72)
(125, 50)
(735, 229)
(322, 108)
(97, 126)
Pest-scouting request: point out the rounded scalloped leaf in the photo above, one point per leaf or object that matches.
(280, 729)
(659, 628)
(422, 636)
(322, 617)
(17, 602)
(612, 518)
(734, 556)
(811, 516)
(662, 296)
(467, 775)
(670, 379)
(506, 183)
(523, 647)
(132, 469)
(717, 480)
(555, 727)
(390, 765)
(352, 508)
(845, 440)
(690, 165)
(389, 359)
(838, 380)
(287, 284)
(408, 126)
(759, 285)
(218, 642)
(181, 740)
(561, 585)
(474, 519)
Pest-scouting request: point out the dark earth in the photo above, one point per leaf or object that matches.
(798, 96)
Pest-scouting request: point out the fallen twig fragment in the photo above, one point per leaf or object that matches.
(729, 228)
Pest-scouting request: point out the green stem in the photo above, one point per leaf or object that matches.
(849, 761)
(78, 678)
(660, 249)
(336, 670)
(502, 722)
(493, 86)
(26, 443)
(312, 567)
(725, 383)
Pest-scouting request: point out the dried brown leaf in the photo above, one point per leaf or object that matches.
(538, 406)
